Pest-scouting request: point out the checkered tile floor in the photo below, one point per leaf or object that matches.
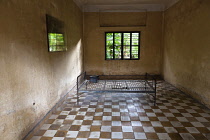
(129, 116)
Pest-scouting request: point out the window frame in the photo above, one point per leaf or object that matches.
(57, 47)
(122, 45)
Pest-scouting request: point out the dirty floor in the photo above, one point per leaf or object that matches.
(129, 116)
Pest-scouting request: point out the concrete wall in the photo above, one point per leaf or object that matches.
(187, 48)
(32, 79)
(150, 56)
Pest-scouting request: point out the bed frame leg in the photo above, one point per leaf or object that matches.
(77, 88)
(145, 83)
(77, 94)
(77, 98)
(155, 93)
(155, 99)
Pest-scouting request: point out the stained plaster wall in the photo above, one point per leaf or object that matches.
(32, 79)
(94, 39)
(186, 62)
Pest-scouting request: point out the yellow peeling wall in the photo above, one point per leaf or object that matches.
(187, 48)
(32, 80)
(94, 39)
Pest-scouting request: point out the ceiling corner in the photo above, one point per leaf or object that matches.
(171, 3)
(79, 3)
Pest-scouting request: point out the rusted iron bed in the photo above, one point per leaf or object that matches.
(136, 84)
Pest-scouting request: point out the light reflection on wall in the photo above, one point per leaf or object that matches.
(75, 65)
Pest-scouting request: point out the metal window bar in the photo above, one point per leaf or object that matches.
(131, 37)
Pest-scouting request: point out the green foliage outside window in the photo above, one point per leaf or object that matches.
(122, 45)
(56, 42)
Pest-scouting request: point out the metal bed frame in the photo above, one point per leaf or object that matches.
(147, 84)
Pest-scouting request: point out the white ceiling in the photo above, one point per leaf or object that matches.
(126, 5)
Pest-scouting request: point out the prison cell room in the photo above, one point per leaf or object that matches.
(105, 70)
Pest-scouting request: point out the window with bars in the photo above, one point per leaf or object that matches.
(55, 33)
(56, 42)
(122, 45)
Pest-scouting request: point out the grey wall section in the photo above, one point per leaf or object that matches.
(29, 73)
(187, 48)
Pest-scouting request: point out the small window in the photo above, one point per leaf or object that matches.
(56, 42)
(122, 45)
(55, 33)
